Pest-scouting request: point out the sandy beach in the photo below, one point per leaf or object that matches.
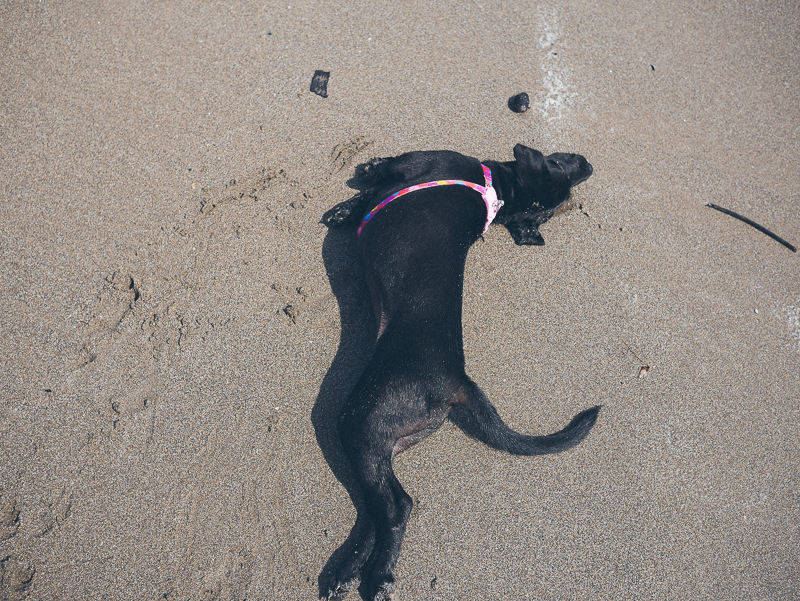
(177, 329)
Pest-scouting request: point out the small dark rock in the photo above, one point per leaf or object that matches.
(519, 103)
(319, 83)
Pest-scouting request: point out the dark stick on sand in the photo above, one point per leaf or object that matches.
(760, 228)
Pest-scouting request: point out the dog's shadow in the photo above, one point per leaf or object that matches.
(342, 266)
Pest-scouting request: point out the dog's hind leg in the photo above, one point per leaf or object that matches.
(389, 507)
(348, 569)
(376, 424)
(376, 550)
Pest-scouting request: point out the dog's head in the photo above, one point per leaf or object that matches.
(542, 185)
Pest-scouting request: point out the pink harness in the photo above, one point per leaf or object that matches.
(488, 194)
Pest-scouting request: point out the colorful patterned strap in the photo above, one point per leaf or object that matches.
(487, 192)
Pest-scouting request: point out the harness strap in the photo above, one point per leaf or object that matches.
(487, 192)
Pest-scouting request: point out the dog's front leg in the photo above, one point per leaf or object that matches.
(345, 213)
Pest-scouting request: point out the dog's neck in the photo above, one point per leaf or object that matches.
(503, 178)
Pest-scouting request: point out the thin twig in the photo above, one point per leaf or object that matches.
(760, 228)
(645, 367)
(632, 351)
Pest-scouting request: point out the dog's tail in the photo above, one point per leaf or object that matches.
(478, 418)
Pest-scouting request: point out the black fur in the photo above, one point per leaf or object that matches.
(413, 252)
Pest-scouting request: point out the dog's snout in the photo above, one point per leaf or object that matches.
(583, 166)
(581, 171)
(577, 168)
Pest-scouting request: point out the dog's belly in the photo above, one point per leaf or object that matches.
(419, 430)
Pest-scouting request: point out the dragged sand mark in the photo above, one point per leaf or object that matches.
(223, 477)
(115, 305)
(9, 515)
(557, 95)
(251, 187)
(263, 189)
(343, 154)
(16, 577)
(160, 320)
(123, 316)
(230, 578)
(297, 300)
(122, 307)
(51, 515)
(133, 330)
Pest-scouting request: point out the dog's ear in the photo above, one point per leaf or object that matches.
(524, 229)
(528, 158)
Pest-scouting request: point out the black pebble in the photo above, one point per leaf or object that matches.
(519, 103)
(319, 83)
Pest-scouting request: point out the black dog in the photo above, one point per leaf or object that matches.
(413, 251)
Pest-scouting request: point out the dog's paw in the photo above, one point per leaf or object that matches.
(337, 584)
(371, 169)
(343, 214)
(385, 592)
(377, 173)
(381, 589)
(338, 590)
(525, 230)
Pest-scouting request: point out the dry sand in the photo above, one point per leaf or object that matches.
(176, 328)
